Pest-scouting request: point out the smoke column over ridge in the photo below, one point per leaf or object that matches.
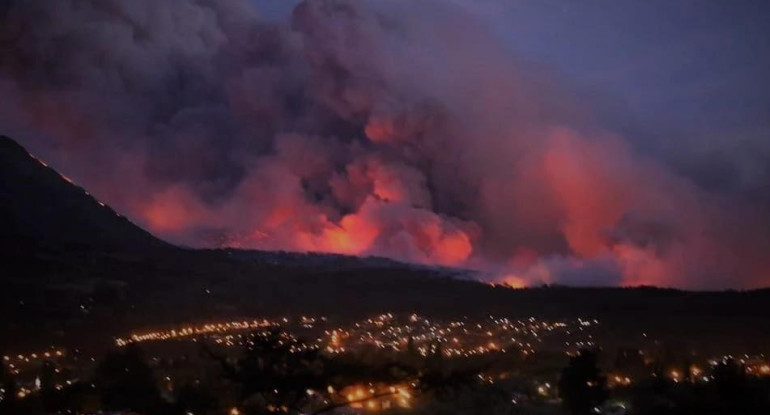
(403, 129)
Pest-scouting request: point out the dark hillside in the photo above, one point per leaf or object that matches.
(40, 209)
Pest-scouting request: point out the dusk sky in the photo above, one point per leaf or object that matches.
(613, 142)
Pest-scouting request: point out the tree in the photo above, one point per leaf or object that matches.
(195, 399)
(124, 381)
(730, 379)
(275, 371)
(412, 354)
(629, 360)
(7, 391)
(48, 393)
(582, 387)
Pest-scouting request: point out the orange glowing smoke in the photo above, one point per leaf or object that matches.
(424, 157)
(416, 235)
(171, 211)
(593, 194)
(453, 249)
(354, 235)
(514, 281)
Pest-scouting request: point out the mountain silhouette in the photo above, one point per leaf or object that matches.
(41, 210)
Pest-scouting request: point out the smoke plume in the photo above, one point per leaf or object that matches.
(403, 129)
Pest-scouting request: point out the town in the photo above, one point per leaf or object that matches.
(388, 362)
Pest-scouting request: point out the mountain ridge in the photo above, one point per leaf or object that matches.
(42, 209)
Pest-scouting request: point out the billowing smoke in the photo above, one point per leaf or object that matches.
(403, 129)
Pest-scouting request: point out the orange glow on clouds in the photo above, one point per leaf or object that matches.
(171, 211)
(593, 195)
(353, 236)
(453, 249)
(514, 281)
(346, 137)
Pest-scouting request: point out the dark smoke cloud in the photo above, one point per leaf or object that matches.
(403, 129)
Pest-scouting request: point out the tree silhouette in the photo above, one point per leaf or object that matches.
(275, 372)
(51, 398)
(124, 381)
(280, 373)
(582, 387)
(730, 379)
(7, 391)
(628, 359)
(195, 399)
